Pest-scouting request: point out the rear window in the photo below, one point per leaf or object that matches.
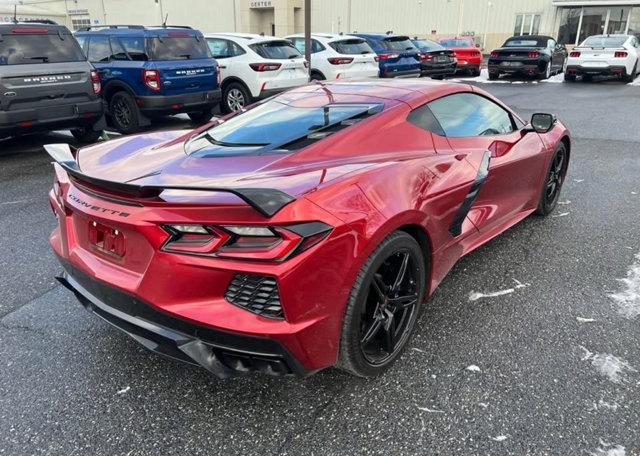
(353, 46)
(274, 122)
(455, 43)
(178, 48)
(276, 50)
(526, 42)
(29, 49)
(427, 45)
(604, 41)
(398, 43)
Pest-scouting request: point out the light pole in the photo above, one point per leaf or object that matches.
(486, 25)
(460, 15)
(307, 34)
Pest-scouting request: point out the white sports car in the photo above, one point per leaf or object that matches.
(607, 55)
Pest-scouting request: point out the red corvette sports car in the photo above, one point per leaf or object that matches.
(303, 232)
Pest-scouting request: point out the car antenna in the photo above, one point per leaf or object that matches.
(166, 17)
(15, 13)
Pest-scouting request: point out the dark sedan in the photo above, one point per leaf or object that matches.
(532, 55)
(436, 61)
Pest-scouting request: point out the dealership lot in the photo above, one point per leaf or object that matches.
(522, 349)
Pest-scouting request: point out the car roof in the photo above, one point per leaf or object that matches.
(326, 36)
(377, 35)
(613, 35)
(246, 38)
(34, 25)
(531, 37)
(413, 92)
(135, 29)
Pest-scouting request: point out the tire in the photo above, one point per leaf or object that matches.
(547, 72)
(476, 73)
(124, 113)
(631, 77)
(201, 117)
(494, 76)
(569, 77)
(315, 76)
(437, 77)
(557, 172)
(372, 357)
(86, 135)
(235, 97)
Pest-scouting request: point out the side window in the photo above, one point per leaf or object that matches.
(467, 114)
(552, 44)
(99, 49)
(135, 48)
(422, 117)
(299, 44)
(316, 46)
(221, 49)
(82, 41)
(118, 51)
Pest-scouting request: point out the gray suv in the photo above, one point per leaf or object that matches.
(46, 83)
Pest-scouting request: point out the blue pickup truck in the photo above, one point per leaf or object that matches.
(397, 55)
(148, 72)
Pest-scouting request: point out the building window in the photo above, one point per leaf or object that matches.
(527, 24)
(579, 23)
(77, 24)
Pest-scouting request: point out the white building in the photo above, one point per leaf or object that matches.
(490, 21)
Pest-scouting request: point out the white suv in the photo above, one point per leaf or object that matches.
(253, 67)
(338, 56)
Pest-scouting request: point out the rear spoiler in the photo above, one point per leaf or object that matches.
(266, 201)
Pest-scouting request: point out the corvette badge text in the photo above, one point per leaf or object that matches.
(93, 207)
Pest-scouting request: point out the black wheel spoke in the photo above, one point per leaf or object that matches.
(379, 286)
(401, 273)
(372, 330)
(402, 302)
(390, 334)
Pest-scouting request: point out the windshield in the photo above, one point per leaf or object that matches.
(604, 41)
(273, 122)
(523, 42)
(354, 46)
(427, 45)
(398, 43)
(455, 43)
(276, 50)
(182, 48)
(28, 49)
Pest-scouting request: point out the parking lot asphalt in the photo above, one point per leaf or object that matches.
(529, 346)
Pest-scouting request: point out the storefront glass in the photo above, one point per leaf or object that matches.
(569, 21)
(634, 22)
(593, 22)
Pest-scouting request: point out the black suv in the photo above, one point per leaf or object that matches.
(46, 83)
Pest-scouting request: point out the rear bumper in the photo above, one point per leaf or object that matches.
(611, 70)
(90, 113)
(266, 93)
(173, 104)
(437, 70)
(465, 65)
(222, 353)
(400, 73)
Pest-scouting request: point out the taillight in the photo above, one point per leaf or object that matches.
(427, 57)
(151, 79)
(30, 30)
(495, 54)
(218, 76)
(388, 56)
(249, 242)
(534, 54)
(620, 54)
(95, 80)
(265, 66)
(574, 54)
(340, 60)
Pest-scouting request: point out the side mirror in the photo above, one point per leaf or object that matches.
(540, 123)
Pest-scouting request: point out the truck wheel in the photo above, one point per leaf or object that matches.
(124, 113)
(86, 135)
(201, 117)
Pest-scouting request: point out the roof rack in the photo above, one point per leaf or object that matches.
(136, 27)
(172, 26)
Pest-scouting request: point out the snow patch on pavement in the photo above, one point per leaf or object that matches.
(628, 299)
(475, 295)
(484, 79)
(610, 366)
(562, 214)
(585, 320)
(500, 438)
(473, 368)
(429, 410)
(124, 390)
(608, 449)
(602, 404)
(564, 203)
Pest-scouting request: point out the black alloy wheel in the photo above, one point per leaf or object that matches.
(124, 113)
(383, 307)
(553, 182)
